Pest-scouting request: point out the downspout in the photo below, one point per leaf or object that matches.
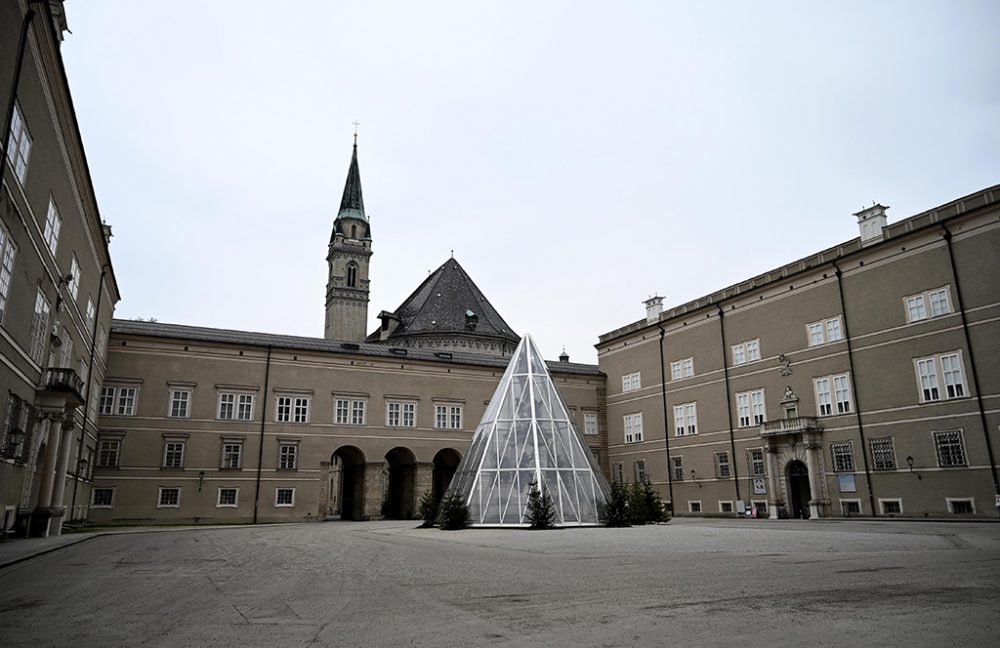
(666, 426)
(22, 45)
(263, 420)
(90, 383)
(729, 401)
(854, 389)
(972, 360)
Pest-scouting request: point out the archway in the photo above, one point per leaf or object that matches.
(398, 499)
(798, 489)
(347, 483)
(445, 463)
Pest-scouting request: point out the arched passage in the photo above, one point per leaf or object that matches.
(347, 482)
(398, 500)
(445, 463)
(798, 489)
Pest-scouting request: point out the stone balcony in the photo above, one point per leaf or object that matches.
(796, 425)
(65, 382)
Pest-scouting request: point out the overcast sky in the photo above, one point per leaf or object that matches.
(578, 157)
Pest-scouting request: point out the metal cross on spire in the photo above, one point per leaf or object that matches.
(356, 124)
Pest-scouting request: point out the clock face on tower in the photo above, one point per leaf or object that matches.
(759, 487)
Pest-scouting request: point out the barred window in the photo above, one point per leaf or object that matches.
(287, 456)
(677, 465)
(640, 471)
(843, 456)
(173, 454)
(109, 453)
(722, 465)
(755, 459)
(227, 496)
(950, 448)
(232, 452)
(15, 437)
(883, 455)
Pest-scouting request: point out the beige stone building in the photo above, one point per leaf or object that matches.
(861, 380)
(57, 287)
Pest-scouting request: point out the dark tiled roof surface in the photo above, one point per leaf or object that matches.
(249, 338)
(352, 204)
(438, 307)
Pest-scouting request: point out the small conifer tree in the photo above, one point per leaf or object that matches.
(654, 505)
(618, 514)
(454, 513)
(541, 513)
(638, 508)
(428, 509)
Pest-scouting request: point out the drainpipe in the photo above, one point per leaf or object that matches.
(972, 360)
(666, 426)
(22, 45)
(90, 382)
(263, 419)
(729, 400)
(854, 389)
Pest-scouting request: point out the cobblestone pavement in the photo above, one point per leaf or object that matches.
(687, 583)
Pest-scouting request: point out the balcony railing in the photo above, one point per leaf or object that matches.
(65, 381)
(789, 426)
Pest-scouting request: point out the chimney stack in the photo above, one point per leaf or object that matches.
(871, 222)
(654, 306)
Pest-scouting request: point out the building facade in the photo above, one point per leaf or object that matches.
(57, 287)
(862, 380)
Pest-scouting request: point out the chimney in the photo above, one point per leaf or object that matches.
(871, 222)
(654, 306)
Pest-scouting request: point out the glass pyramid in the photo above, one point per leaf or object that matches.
(527, 435)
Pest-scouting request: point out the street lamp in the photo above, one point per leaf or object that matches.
(201, 479)
(909, 462)
(694, 478)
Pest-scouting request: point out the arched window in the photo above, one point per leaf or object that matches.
(352, 274)
(354, 231)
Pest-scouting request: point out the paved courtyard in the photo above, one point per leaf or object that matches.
(687, 583)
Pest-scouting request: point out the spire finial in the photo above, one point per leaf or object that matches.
(453, 254)
(356, 124)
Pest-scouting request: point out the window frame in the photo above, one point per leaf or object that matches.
(677, 467)
(164, 489)
(588, 430)
(7, 253)
(839, 461)
(93, 497)
(755, 407)
(236, 497)
(723, 467)
(39, 326)
(110, 456)
(277, 497)
(686, 419)
(882, 501)
(171, 453)
(20, 143)
(934, 386)
(682, 369)
(819, 332)
(880, 464)
(445, 416)
(401, 413)
(173, 401)
(631, 432)
(752, 462)
(227, 454)
(957, 435)
(632, 381)
(53, 225)
(922, 306)
(639, 471)
(242, 401)
(833, 395)
(288, 449)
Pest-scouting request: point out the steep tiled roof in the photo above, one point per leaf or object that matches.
(352, 204)
(249, 338)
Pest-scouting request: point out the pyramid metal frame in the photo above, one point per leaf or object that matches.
(525, 435)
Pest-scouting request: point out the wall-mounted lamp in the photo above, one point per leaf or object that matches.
(201, 479)
(694, 478)
(81, 466)
(14, 438)
(909, 462)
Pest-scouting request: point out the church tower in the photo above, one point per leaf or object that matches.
(348, 257)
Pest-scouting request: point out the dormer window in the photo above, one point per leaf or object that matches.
(471, 320)
(352, 272)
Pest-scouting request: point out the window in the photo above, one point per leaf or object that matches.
(677, 465)
(694, 507)
(53, 223)
(632, 381)
(682, 369)
(227, 497)
(761, 507)
(640, 471)
(352, 275)
(448, 416)
(883, 455)
(685, 419)
(173, 454)
(725, 506)
(950, 448)
(916, 305)
(232, 454)
(6, 268)
(292, 409)
(836, 401)
(590, 423)
(843, 456)
(169, 498)
(19, 416)
(750, 408)
(235, 406)
(90, 313)
(755, 461)
(849, 507)
(961, 506)
(633, 428)
(949, 367)
(74, 273)
(288, 456)
(348, 411)
(118, 400)
(102, 497)
(401, 414)
(722, 465)
(180, 402)
(618, 472)
(746, 352)
(824, 331)
(284, 497)
(102, 339)
(892, 506)
(39, 327)
(109, 453)
(19, 147)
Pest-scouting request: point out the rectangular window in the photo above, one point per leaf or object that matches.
(292, 409)
(685, 419)
(107, 401)
(590, 424)
(126, 401)
(915, 309)
(618, 472)
(927, 373)
(815, 333)
(180, 401)
(448, 416)
(74, 273)
(232, 454)
(118, 400)
(849, 507)
(950, 448)
(753, 350)
(235, 406)
(746, 352)
(677, 466)
(739, 354)
(940, 304)
(891, 506)
(6, 268)
(951, 370)
(227, 406)
(342, 411)
(694, 506)
(53, 223)
(722, 465)
(102, 498)
(401, 414)
(750, 408)
(90, 313)
(843, 456)
(168, 498)
(824, 331)
(633, 428)
(632, 381)
(284, 497)
(109, 453)
(640, 471)
(19, 148)
(283, 413)
(725, 506)
(883, 454)
(682, 369)
(916, 305)
(833, 395)
(357, 412)
(833, 332)
(755, 460)
(949, 367)
(39, 327)
(244, 407)
(173, 454)
(300, 409)
(227, 497)
(961, 506)
(288, 456)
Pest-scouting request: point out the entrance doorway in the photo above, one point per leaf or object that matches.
(347, 483)
(445, 463)
(399, 501)
(798, 489)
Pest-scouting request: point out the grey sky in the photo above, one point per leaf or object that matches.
(577, 156)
